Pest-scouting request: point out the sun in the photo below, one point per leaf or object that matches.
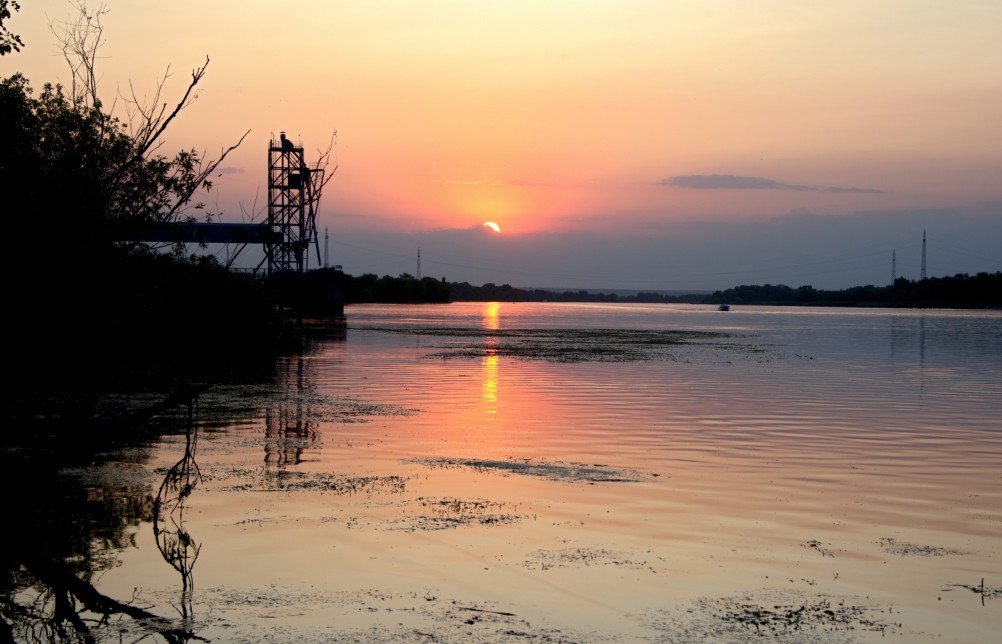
(492, 226)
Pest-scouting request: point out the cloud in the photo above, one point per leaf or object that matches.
(734, 182)
(229, 170)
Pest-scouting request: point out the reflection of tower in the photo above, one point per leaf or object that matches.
(923, 255)
(293, 195)
(894, 267)
(288, 427)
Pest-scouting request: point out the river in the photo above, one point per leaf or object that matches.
(484, 472)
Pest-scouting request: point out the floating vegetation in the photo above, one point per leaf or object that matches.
(810, 614)
(819, 547)
(224, 406)
(292, 481)
(895, 547)
(448, 513)
(782, 619)
(345, 484)
(353, 410)
(986, 592)
(553, 470)
(579, 345)
(546, 559)
(370, 615)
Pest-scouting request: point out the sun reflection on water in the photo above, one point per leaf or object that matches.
(489, 388)
(489, 363)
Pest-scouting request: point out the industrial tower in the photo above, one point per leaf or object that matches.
(293, 197)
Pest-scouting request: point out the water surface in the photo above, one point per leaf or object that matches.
(589, 472)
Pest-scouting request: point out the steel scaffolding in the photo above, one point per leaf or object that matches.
(293, 197)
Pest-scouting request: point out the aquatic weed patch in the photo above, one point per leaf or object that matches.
(346, 484)
(373, 615)
(284, 480)
(352, 410)
(817, 613)
(223, 406)
(895, 547)
(579, 345)
(986, 592)
(567, 557)
(450, 513)
(821, 548)
(782, 618)
(553, 470)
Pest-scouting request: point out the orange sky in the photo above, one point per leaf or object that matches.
(549, 117)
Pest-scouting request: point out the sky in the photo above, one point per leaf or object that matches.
(661, 145)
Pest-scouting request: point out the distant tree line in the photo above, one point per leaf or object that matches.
(316, 290)
(465, 292)
(328, 285)
(405, 288)
(325, 291)
(960, 291)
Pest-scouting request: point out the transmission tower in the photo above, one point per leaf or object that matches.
(923, 255)
(419, 262)
(293, 196)
(894, 267)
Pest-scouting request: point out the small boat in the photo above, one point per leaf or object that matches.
(724, 307)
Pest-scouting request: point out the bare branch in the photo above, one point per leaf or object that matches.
(140, 183)
(324, 160)
(81, 38)
(154, 121)
(200, 179)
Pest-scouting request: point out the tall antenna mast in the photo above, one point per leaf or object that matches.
(894, 267)
(419, 262)
(326, 242)
(923, 255)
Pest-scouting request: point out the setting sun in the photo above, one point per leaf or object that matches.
(493, 226)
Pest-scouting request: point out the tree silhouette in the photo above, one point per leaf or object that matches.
(77, 180)
(9, 42)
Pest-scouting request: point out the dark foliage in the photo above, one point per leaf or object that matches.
(960, 291)
(87, 312)
(322, 289)
(505, 293)
(9, 41)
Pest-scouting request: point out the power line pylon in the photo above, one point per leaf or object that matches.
(923, 255)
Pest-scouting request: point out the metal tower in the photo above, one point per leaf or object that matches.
(293, 196)
(923, 255)
(894, 267)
